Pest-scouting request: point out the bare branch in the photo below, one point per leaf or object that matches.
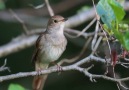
(37, 7)
(78, 56)
(71, 32)
(29, 12)
(20, 20)
(49, 8)
(67, 68)
(85, 29)
(22, 42)
(29, 15)
(12, 47)
(17, 44)
(3, 68)
(95, 36)
(80, 18)
(97, 44)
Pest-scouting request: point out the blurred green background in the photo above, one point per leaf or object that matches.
(21, 61)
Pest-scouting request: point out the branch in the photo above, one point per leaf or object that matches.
(22, 42)
(78, 56)
(3, 68)
(32, 16)
(85, 29)
(49, 8)
(17, 44)
(29, 13)
(58, 8)
(67, 68)
(20, 20)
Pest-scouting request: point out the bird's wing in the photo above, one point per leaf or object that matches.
(37, 50)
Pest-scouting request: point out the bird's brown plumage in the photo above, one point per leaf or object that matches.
(49, 47)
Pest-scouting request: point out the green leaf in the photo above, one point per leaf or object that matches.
(118, 10)
(2, 5)
(110, 32)
(106, 12)
(15, 87)
(126, 40)
(123, 38)
(110, 12)
(123, 27)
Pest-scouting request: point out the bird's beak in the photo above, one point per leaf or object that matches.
(65, 19)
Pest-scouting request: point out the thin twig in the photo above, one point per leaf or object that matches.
(70, 32)
(3, 68)
(78, 56)
(85, 29)
(97, 44)
(49, 8)
(20, 20)
(95, 36)
(37, 7)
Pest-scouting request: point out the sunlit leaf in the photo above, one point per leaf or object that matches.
(112, 13)
(103, 9)
(123, 27)
(110, 32)
(15, 87)
(117, 9)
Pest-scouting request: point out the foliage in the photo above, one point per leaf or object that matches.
(2, 5)
(15, 87)
(112, 14)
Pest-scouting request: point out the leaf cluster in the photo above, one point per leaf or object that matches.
(112, 13)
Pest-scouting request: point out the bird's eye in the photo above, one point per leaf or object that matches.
(55, 21)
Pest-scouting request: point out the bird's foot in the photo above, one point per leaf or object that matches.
(39, 71)
(59, 68)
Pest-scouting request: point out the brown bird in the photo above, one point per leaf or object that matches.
(49, 47)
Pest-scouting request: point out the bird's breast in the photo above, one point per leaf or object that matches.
(53, 50)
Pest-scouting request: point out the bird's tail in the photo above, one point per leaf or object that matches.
(39, 80)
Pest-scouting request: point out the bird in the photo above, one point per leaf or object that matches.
(49, 47)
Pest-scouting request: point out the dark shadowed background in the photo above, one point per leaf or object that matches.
(21, 61)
